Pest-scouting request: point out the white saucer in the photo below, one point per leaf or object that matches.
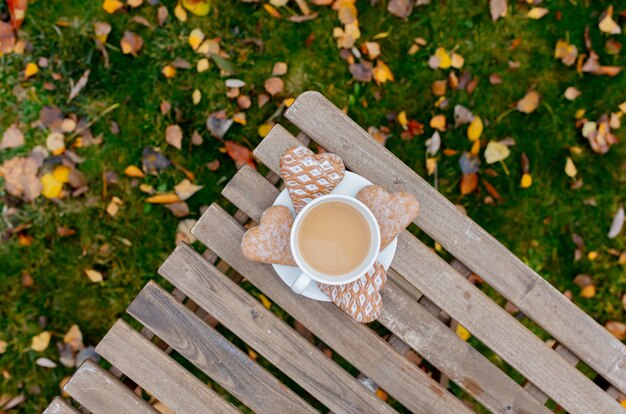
(350, 186)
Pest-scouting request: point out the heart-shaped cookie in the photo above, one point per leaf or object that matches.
(308, 175)
(393, 211)
(360, 299)
(269, 241)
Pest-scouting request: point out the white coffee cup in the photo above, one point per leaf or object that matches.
(308, 273)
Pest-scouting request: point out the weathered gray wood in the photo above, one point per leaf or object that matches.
(411, 321)
(266, 333)
(568, 356)
(473, 309)
(102, 393)
(157, 373)
(59, 406)
(463, 238)
(356, 343)
(213, 354)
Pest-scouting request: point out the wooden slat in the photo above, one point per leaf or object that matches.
(213, 354)
(463, 238)
(59, 406)
(266, 333)
(157, 373)
(473, 309)
(102, 393)
(356, 343)
(401, 314)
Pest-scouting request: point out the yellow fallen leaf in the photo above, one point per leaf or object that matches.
(102, 30)
(475, 129)
(180, 13)
(198, 7)
(166, 198)
(438, 122)
(62, 173)
(570, 168)
(382, 73)
(588, 291)
(196, 96)
(537, 12)
(622, 107)
(623, 403)
(288, 102)
(111, 6)
(380, 35)
(253, 355)
(74, 338)
(457, 61)
(592, 255)
(579, 113)
(265, 129)
(527, 180)
(401, 118)
(94, 275)
(431, 165)
(169, 71)
(40, 342)
(196, 37)
(475, 147)
(496, 151)
(114, 206)
(62, 384)
(272, 11)
(265, 301)
(381, 394)
(3, 347)
(133, 171)
(31, 70)
(463, 333)
(134, 3)
(240, 118)
(51, 187)
(202, 65)
(146, 188)
(444, 58)
(529, 102)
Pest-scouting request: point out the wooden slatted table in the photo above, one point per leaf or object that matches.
(424, 299)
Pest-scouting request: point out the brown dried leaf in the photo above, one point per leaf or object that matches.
(166, 107)
(20, 177)
(7, 38)
(240, 154)
(362, 71)
(74, 338)
(279, 69)
(529, 102)
(469, 182)
(497, 9)
(162, 15)
(12, 138)
(174, 136)
(274, 85)
(186, 189)
(400, 8)
(131, 43)
(180, 209)
(183, 231)
(79, 85)
(618, 329)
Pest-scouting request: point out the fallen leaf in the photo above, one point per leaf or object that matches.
(475, 129)
(240, 154)
(566, 52)
(74, 338)
(463, 333)
(372, 49)
(218, 124)
(617, 223)
(196, 37)
(279, 69)
(31, 70)
(213, 165)
(272, 11)
(438, 122)
(134, 3)
(3, 347)
(75, 88)
(527, 180)
(102, 30)
(202, 65)
(240, 118)
(363, 71)
(607, 24)
(166, 198)
(618, 329)
(133, 171)
(382, 73)
(196, 96)
(7, 37)
(186, 189)
(131, 43)
(462, 115)
(400, 8)
(180, 13)
(537, 12)
(274, 85)
(469, 182)
(180, 209)
(183, 231)
(51, 187)
(265, 129)
(495, 152)
(174, 136)
(153, 161)
(63, 231)
(40, 342)
(244, 102)
(197, 7)
(114, 206)
(571, 93)
(196, 138)
(20, 177)
(168, 71)
(433, 144)
(111, 6)
(457, 61)
(529, 102)
(570, 168)
(12, 138)
(438, 87)
(45, 362)
(162, 15)
(497, 9)
(234, 83)
(443, 58)
(469, 163)
(225, 65)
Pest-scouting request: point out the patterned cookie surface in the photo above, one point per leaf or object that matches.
(308, 175)
(393, 211)
(269, 241)
(360, 299)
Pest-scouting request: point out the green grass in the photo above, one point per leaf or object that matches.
(535, 223)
